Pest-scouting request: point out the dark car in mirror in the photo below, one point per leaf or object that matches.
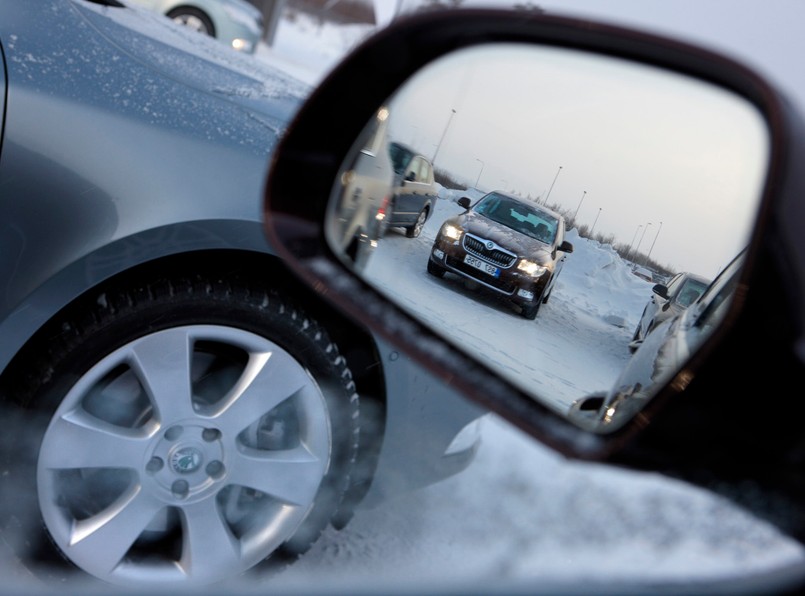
(512, 247)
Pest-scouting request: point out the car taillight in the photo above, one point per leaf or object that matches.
(381, 213)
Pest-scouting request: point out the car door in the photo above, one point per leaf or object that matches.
(413, 193)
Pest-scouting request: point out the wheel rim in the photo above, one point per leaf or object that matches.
(187, 455)
(420, 223)
(192, 22)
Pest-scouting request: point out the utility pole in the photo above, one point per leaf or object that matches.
(552, 183)
(652, 244)
(444, 134)
(477, 180)
(579, 207)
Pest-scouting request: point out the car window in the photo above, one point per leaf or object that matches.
(691, 289)
(674, 283)
(517, 216)
(400, 157)
(425, 172)
(412, 171)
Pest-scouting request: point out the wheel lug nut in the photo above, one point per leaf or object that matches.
(215, 469)
(180, 489)
(211, 434)
(154, 465)
(173, 433)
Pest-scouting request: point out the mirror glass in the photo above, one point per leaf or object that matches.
(557, 214)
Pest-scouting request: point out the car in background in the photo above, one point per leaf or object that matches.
(360, 210)
(236, 23)
(415, 191)
(512, 247)
(660, 355)
(177, 408)
(643, 273)
(668, 301)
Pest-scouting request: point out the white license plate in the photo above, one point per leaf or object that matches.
(481, 266)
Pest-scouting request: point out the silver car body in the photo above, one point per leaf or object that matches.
(668, 301)
(126, 145)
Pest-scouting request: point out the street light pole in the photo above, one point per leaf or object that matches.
(631, 244)
(545, 202)
(652, 244)
(579, 207)
(637, 250)
(477, 180)
(595, 222)
(444, 133)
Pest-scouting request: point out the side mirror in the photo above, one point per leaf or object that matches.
(698, 113)
(661, 291)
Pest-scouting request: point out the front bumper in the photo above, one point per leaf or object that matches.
(518, 287)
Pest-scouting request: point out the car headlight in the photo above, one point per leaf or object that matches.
(452, 232)
(531, 268)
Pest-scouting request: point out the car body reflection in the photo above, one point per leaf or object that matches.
(659, 356)
(510, 246)
(667, 301)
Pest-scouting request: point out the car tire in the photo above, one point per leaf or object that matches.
(435, 269)
(134, 485)
(548, 293)
(193, 19)
(530, 311)
(415, 230)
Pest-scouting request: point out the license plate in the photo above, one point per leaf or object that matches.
(481, 266)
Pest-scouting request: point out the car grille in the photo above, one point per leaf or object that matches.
(496, 255)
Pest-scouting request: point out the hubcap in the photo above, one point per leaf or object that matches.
(210, 439)
(192, 22)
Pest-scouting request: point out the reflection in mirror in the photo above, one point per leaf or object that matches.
(558, 215)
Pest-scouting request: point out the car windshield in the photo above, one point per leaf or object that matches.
(518, 216)
(400, 157)
(690, 292)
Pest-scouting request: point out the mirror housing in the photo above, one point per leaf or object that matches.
(661, 290)
(703, 425)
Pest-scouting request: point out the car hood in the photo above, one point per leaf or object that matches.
(510, 239)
